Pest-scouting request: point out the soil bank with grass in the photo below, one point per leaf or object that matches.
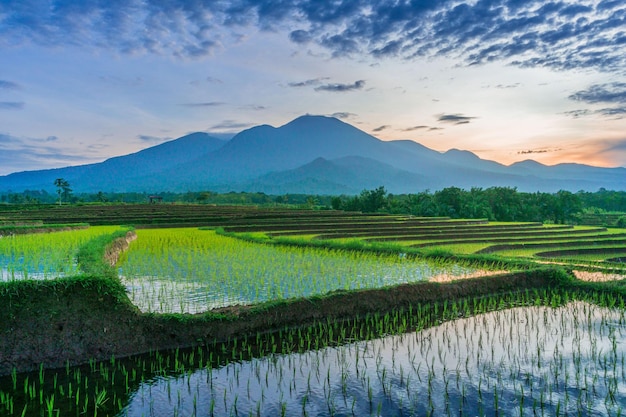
(74, 320)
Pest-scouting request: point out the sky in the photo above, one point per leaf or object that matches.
(85, 80)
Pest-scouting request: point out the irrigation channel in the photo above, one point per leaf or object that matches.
(539, 353)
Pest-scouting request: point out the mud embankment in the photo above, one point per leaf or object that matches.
(78, 319)
(12, 231)
(113, 251)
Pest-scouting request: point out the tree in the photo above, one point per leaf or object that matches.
(63, 189)
(373, 200)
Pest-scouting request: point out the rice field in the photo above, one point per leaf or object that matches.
(45, 255)
(563, 361)
(190, 271)
(547, 353)
(554, 354)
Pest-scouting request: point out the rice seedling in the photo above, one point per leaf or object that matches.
(472, 357)
(190, 270)
(44, 256)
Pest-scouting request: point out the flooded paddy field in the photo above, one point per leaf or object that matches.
(566, 359)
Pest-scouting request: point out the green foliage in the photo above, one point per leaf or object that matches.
(90, 256)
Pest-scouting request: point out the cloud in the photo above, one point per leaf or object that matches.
(308, 83)
(507, 86)
(11, 105)
(204, 104)
(341, 88)
(602, 93)
(7, 139)
(410, 129)
(8, 85)
(22, 153)
(255, 107)
(535, 151)
(558, 34)
(578, 113)
(230, 125)
(611, 151)
(343, 115)
(457, 119)
(300, 36)
(608, 93)
(152, 139)
(381, 128)
(612, 111)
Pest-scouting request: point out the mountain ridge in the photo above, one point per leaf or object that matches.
(311, 155)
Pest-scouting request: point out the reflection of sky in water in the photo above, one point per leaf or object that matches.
(188, 293)
(525, 360)
(185, 270)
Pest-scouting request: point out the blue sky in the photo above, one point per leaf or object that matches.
(82, 81)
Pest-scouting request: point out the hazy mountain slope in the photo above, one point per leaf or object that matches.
(347, 175)
(118, 173)
(311, 154)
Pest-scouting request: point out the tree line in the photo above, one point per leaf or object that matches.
(494, 203)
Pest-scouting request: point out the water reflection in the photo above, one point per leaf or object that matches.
(517, 362)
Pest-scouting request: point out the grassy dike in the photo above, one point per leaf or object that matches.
(73, 320)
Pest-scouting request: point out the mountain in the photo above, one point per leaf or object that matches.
(346, 175)
(311, 154)
(119, 173)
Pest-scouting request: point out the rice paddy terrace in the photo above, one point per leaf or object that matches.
(275, 311)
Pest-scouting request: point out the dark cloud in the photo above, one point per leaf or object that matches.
(559, 34)
(308, 83)
(613, 111)
(300, 36)
(578, 113)
(341, 88)
(381, 128)
(343, 115)
(602, 93)
(11, 105)
(457, 119)
(410, 129)
(8, 85)
(204, 104)
(532, 151)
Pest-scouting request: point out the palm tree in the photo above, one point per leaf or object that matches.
(63, 189)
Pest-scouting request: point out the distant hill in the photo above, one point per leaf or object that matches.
(311, 154)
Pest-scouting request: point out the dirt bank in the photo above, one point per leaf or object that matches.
(113, 251)
(78, 319)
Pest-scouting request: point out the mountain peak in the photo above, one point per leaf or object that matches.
(310, 121)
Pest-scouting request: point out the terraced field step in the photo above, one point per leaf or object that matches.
(585, 251)
(476, 234)
(520, 238)
(442, 230)
(294, 228)
(166, 213)
(618, 239)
